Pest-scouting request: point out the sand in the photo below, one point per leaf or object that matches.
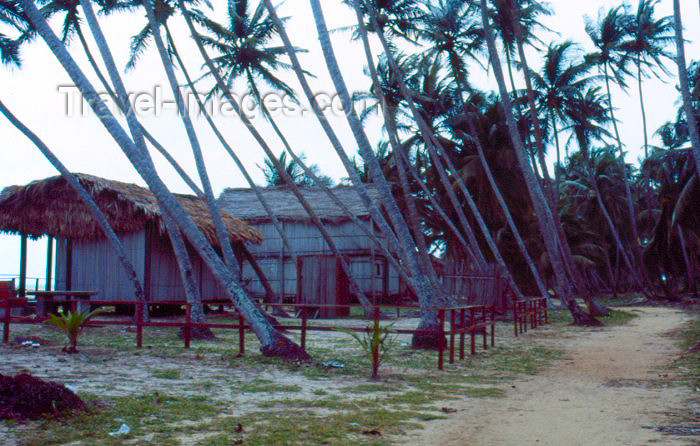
(610, 385)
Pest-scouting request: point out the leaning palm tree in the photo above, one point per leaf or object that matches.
(273, 343)
(74, 182)
(588, 118)
(542, 211)
(427, 296)
(684, 85)
(608, 34)
(647, 44)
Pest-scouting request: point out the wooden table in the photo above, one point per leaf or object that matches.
(46, 298)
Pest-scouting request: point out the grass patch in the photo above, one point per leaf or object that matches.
(154, 414)
(618, 317)
(166, 374)
(267, 386)
(689, 363)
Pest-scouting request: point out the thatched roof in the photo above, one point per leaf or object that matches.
(51, 207)
(244, 203)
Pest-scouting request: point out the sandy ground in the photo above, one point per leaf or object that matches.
(608, 388)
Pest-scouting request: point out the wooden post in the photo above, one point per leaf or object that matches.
(22, 266)
(462, 315)
(441, 342)
(493, 325)
(49, 263)
(515, 318)
(483, 323)
(139, 325)
(241, 335)
(147, 261)
(452, 335)
(303, 327)
(375, 349)
(69, 264)
(472, 329)
(188, 324)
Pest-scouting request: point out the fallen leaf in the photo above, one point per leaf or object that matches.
(448, 410)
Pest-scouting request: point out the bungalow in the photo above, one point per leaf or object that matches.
(84, 258)
(310, 273)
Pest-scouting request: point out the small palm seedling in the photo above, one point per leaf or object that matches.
(71, 324)
(377, 343)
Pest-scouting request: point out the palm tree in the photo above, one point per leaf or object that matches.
(542, 211)
(506, 14)
(273, 343)
(450, 29)
(646, 43)
(395, 18)
(426, 294)
(244, 50)
(684, 85)
(12, 16)
(355, 176)
(557, 83)
(608, 35)
(588, 116)
(299, 176)
(92, 206)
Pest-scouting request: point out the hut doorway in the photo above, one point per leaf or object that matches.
(321, 281)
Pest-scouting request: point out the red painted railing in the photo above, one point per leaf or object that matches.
(454, 323)
(534, 311)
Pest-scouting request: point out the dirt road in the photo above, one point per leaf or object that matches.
(608, 388)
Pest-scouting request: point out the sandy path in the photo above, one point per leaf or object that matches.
(599, 395)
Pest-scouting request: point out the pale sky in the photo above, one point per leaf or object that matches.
(32, 93)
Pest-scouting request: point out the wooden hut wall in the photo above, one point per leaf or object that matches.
(166, 283)
(95, 266)
(370, 268)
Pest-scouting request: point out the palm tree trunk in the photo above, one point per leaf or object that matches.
(354, 286)
(685, 89)
(332, 137)
(94, 209)
(436, 151)
(272, 342)
(692, 285)
(543, 213)
(506, 213)
(641, 104)
(221, 231)
(574, 273)
(182, 256)
(389, 117)
(426, 294)
(557, 171)
(637, 251)
(256, 190)
(123, 107)
(189, 280)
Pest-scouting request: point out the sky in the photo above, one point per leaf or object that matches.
(40, 94)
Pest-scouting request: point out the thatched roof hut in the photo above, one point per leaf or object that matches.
(244, 203)
(51, 207)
